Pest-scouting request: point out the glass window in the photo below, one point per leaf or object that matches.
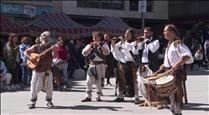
(94, 4)
(150, 6)
(118, 4)
(82, 3)
(133, 5)
(105, 4)
(102, 4)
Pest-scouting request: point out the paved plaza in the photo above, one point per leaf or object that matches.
(69, 102)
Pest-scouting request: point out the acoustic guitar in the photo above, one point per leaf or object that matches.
(35, 57)
(33, 62)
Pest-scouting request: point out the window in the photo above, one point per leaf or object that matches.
(133, 5)
(149, 6)
(117, 4)
(101, 4)
(105, 4)
(94, 4)
(82, 3)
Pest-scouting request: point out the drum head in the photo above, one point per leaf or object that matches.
(164, 79)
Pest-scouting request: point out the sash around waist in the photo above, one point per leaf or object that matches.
(96, 62)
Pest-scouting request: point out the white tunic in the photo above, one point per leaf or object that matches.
(139, 47)
(96, 58)
(121, 51)
(174, 54)
(152, 46)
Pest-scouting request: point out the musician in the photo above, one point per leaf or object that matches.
(138, 49)
(109, 60)
(122, 52)
(42, 74)
(149, 64)
(177, 54)
(96, 51)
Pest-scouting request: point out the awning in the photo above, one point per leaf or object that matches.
(113, 25)
(8, 26)
(56, 22)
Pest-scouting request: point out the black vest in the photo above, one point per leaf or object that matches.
(153, 58)
(96, 51)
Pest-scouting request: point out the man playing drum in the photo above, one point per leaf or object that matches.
(176, 55)
(148, 65)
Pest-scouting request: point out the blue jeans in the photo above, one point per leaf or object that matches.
(25, 75)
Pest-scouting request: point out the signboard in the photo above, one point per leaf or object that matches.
(24, 9)
(11, 8)
(29, 10)
(142, 8)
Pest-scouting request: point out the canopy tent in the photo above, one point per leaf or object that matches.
(58, 23)
(112, 25)
(8, 26)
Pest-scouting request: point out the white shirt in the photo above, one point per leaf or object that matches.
(121, 51)
(96, 58)
(139, 47)
(152, 46)
(174, 54)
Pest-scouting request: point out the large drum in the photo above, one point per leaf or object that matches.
(165, 85)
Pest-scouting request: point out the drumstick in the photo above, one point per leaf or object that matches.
(158, 76)
(154, 74)
(157, 71)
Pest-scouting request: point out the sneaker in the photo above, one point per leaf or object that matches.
(98, 99)
(86, 100)
(31, 106)
(119, 100)
(50, 105)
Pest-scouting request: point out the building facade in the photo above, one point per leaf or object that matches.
(24, 12)
(90, 12)
(87, 12)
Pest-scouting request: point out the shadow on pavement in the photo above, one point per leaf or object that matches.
(196, 107)
(86, 107)
(198, 72)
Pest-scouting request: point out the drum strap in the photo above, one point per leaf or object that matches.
(167, 54)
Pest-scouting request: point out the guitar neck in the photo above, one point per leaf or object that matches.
(46, 51)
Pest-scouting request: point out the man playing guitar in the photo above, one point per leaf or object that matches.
(42, 72)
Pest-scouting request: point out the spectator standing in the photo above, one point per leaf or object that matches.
(23, 63)
(11, 54)
(61, 56)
